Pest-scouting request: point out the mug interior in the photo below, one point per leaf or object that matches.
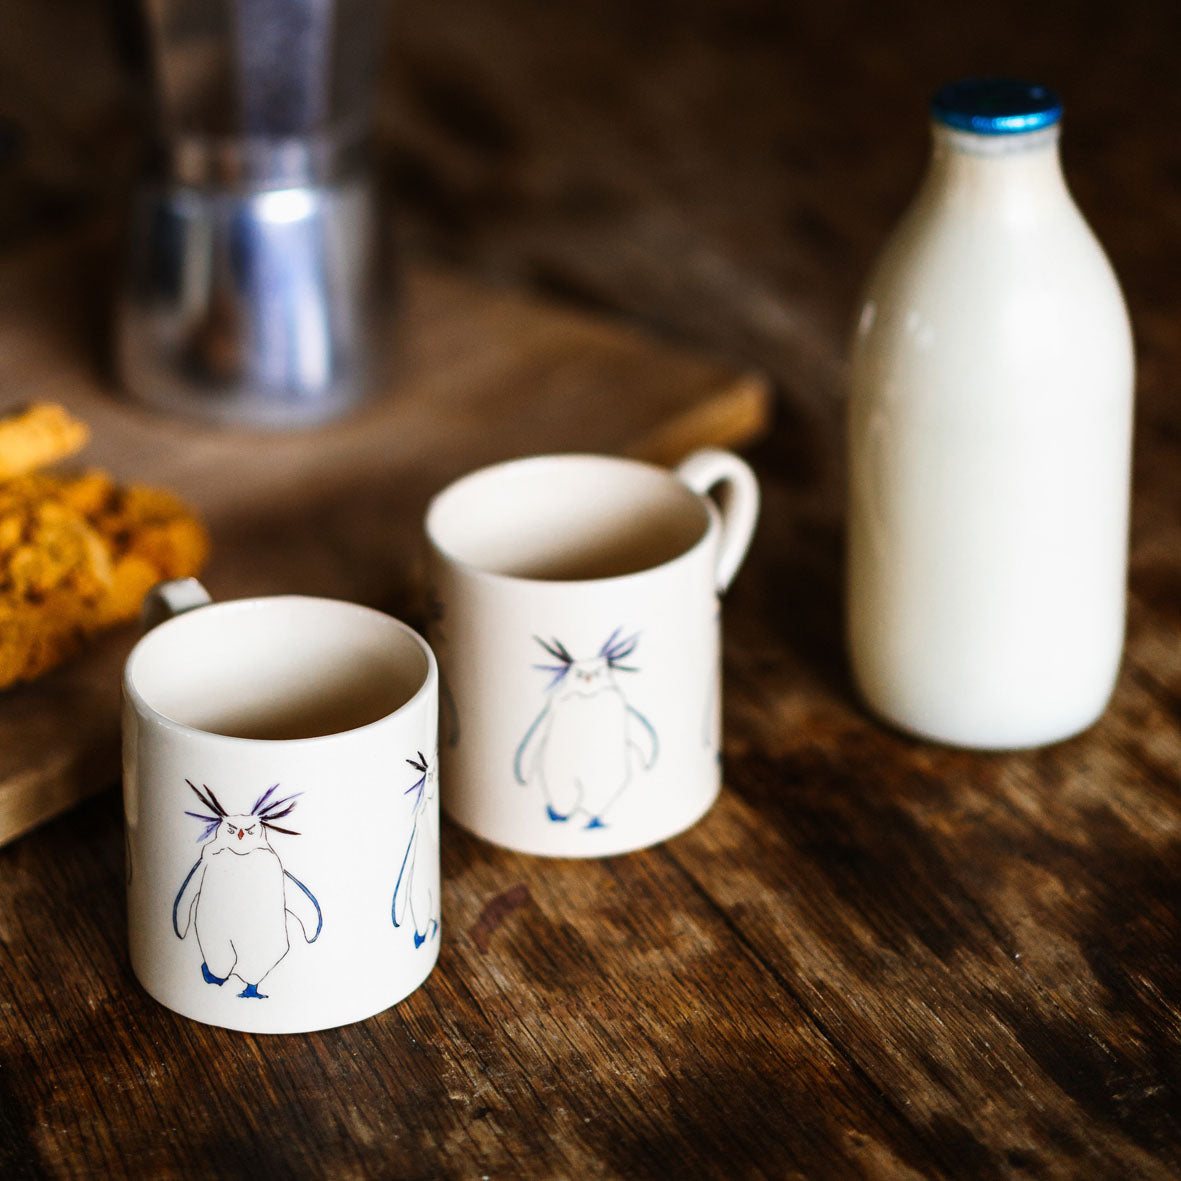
(278, 668)
(566, 517)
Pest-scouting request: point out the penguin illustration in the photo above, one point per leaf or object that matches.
(415, 892)
(238, 895)
(582, 746)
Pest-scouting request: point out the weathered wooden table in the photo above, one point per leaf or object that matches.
(875, 957)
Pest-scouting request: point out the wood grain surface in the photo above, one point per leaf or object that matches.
(875, 957)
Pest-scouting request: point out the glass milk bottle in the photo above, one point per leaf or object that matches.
(989, 442)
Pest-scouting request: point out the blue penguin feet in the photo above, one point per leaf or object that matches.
(432, 929)
(252, 990)
(210, 978)
(557, 817)
(595, 822)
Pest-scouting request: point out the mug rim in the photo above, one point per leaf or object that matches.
(259, 602)
(710, 523)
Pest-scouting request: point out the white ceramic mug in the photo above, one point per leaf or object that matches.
(279, 780)
(576, 620)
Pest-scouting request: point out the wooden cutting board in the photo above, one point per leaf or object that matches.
(479, 375)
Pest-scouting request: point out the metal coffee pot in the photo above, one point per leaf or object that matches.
(254, 270)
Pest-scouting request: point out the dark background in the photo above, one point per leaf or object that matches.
(926, 960)
(721, 172)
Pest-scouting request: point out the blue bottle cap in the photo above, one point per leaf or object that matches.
(995, 106)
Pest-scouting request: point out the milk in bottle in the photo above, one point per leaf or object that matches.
(989, 442)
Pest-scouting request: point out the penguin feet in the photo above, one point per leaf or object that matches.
(557, 817)
(595, 822)
(252, 990)
(210, 978)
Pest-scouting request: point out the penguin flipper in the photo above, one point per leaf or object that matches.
(647, 746)
(297, 905)
(527, 751)
(402, 887)
(190, 887)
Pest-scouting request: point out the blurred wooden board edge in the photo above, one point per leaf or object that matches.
(732, 416)
(77, 755)
(61, 783)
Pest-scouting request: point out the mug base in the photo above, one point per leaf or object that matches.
(257, 1019)
(601, 841)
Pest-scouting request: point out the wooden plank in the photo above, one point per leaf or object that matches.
(554, 1039)
(481, 375)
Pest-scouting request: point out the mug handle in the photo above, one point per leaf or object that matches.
(167, 599)
(711, 468)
